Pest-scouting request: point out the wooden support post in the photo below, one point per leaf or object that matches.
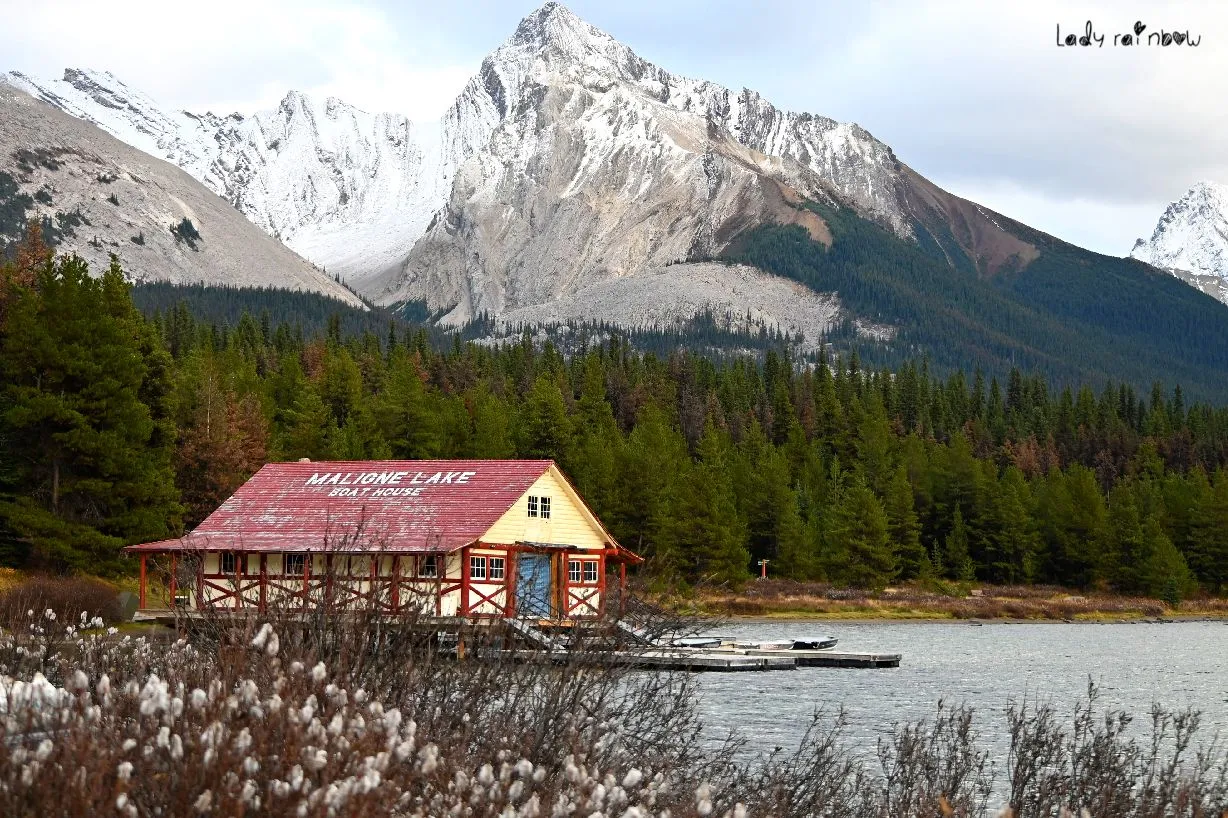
(200, 578)
(329, 587)
(141, 595)
(395, 593)
(174, 579)
(464, 600)
(622, 589)
(441, 572)
(509, 577)
(264, 582)
(372, 580)
(601, 585)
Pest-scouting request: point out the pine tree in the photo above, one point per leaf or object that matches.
(1208, 554)
(592, 454)
(86, 414)
(651, 468)
(1126, 551)
(307, 428)
(958, 563)
(1165, 574)
(543, 430)
(1008, 541)
(860, 554)
(404, 413)
(904, 528)
(706, 529)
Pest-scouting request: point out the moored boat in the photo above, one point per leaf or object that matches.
(815, 643)
(768, 644)
(698, 642)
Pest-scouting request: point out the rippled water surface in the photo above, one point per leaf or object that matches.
(1178, 664)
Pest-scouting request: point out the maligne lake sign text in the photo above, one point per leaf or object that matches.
(385, 483)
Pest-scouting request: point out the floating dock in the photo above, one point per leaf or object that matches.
(537, 644)
(722, 659)
(705, 660)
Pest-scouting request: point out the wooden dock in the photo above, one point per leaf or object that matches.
(539, 642)
(808, 658)
(728, 661)
(700, 660)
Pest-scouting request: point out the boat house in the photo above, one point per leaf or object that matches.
(450, 538)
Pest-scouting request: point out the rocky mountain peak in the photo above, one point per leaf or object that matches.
(1190, 239)
(553, 24)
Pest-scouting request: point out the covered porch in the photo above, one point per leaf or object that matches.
(526, 580)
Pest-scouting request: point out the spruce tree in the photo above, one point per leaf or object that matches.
(904, 528)
(543, 430)
(86, 411)
(405, 414)
(862, 555)
(706, 530)
(1208, 553)
(958, 563)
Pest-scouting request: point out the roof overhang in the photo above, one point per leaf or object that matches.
(274, 545)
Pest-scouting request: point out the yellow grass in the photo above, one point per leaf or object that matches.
(780, 599)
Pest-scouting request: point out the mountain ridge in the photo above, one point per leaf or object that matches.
(100, 196)
(573, 181)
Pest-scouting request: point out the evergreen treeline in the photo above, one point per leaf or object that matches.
(118, 428)
(1073, 315)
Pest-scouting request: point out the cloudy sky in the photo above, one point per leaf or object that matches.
(1088, 143)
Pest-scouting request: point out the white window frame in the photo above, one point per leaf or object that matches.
(544, 504)
(591, 565)
(496, 569)
(575, 572)
(532, 505)
(428, 567)
(234, 563)
(477, 567)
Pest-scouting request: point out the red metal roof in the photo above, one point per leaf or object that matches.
(387, 505)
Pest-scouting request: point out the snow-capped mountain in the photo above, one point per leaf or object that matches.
(347, 189)
(103, 196)
(578, 164)
(568, 162)
(1191, 240)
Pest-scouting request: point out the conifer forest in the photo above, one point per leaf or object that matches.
(121, 425)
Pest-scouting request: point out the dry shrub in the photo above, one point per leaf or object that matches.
(319, 712)
(68, 597)
(744, 607)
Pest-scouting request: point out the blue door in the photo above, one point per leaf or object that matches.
(533, 584)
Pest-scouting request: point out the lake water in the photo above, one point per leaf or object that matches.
(1134, 665)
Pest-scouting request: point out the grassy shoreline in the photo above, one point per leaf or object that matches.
(775, 600)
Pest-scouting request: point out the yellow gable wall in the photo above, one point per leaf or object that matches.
(568, 523)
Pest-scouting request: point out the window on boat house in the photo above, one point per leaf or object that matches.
(229, 562)
(496, 568)
(573, 571)
(477, 568)
(428, 567)
(545, 508)
(590, 571)
(532, 505)
(295, 564)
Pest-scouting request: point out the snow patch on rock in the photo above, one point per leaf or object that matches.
(1191, 240)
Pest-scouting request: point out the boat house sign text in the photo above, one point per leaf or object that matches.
(385, 483)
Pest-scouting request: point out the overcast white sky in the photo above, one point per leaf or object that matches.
(1089, 144)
